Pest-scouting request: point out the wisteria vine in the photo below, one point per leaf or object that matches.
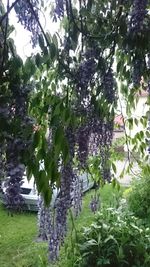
(79, 101)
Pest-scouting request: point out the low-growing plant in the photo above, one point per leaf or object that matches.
(116, 239)
(139, 197)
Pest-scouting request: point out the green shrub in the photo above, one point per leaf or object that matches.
(139, 197)
(114, 239)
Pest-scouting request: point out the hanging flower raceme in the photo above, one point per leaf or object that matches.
(77, 194)
(138, 15)
(28, 15)
(100, 143)
(2, 162)
(84, 77)
(14, 174)
(64, 200)
(16, 144)
(95, 203)
(83, 135)
(57, 229)
(108, 86)
(59, 10)
(43, 217)
(148, 61)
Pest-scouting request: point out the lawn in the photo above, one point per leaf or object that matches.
(18, 233)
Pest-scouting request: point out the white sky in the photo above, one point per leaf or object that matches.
(22, 36)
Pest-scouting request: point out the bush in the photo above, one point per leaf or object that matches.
(139, 197)
(114, 239)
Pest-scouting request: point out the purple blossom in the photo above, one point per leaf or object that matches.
(42, 217)
(59, 10)
(85, 73)
(148, 87)
(64, 200)
(4, 112)
(148, 62)
(83, 135)
(95, 203)
(138, 15)
(28, 19)
(108, 85)
(77, 195)
(14, 172)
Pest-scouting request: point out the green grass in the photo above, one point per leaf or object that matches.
(18, 246)
(17, 240)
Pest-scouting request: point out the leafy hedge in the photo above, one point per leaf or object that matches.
(139, 197)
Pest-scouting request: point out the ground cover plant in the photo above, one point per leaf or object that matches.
(115, 238)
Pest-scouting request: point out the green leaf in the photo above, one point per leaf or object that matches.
(41, 41)
(42, 180)
(130, 121)
(114, 167)
(53, 51)
(29, 69)
(55, 41)
(47, 194)
(136, 121)
(36, 139)
(38, 60)
(59, 136)
(65, 150)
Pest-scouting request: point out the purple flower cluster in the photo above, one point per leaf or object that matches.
(2, 162)
(85, 75)
(16, 143)
(59, 10)
(28, 19)
(108, 86)
(14, 174)
(4, 112)
(137, 16)
(107, 137)
(92, 53)
(70, 135)
(48, 230)
(42, 218)
(136, 74)
(77, 195)
(64, 200)
(148, 87)
(100, 143)
(83, 135)
(58, 229)
(148, 62)
(53, 245)
(95, 203)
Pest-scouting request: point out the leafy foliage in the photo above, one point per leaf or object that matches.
(115, 238)
(138, 197)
